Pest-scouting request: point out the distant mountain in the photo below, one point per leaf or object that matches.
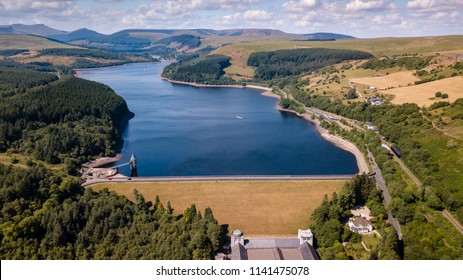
(35, 29)
(162, 42)
(147, 39)
(327, 36)
(6, 29)
(80, 34)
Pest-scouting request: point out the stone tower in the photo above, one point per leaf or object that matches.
(133, 166)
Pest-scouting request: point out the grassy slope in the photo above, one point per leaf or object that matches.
(35, 43)
(32, 43)
(424, 94)
(378, 47)
(276, 208)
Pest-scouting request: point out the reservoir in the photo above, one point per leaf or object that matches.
(180, 130)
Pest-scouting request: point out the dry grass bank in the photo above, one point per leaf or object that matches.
(260, 208)
(423, 94)
(399, 79)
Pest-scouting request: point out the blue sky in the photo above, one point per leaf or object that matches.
(361, 18)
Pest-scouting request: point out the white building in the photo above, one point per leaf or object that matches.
(360, 225)
(305, 235)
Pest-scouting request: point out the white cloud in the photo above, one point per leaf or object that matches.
(14, 5)
(250, 16)
(215, 4)
(51, 5)
(300, 6)
(420, 4)
(257, 15)
(359, 5)
(392, 20)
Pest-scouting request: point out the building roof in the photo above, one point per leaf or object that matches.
(360, 221)
(308, 252)
(239, 252)
(254, 243)
(274, 249)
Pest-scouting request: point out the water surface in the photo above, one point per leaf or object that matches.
(180, 130)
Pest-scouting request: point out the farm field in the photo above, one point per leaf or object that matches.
(423, 94)
(259, 208)
(399, 79)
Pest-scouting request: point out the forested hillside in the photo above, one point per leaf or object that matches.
(204, 70)
(54, 120)
(44, 216)
(283, 63)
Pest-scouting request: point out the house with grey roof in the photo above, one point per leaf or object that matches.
(360, 225)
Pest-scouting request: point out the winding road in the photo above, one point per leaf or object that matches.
(387, 197)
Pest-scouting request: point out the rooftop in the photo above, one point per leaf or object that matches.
(359, 221)
(274, 249)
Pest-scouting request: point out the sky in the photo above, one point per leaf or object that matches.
(359, 18)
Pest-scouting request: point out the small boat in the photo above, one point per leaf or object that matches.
(239, 118)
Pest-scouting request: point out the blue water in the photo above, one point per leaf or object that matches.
(180, 130)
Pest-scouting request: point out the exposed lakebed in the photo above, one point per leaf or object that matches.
(180, 130)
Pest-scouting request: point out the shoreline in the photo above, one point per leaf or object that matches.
(335, 140)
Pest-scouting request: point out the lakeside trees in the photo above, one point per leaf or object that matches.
(54, 120)
(204, 70)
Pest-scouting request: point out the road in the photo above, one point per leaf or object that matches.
(219, 178)
(386, 196)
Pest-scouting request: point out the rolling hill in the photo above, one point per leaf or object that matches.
(29, 42)
(164, 42)
(80, 34)
(35, 29)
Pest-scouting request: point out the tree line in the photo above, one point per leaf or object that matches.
(283, 63)
(44, 216)
(204, 70)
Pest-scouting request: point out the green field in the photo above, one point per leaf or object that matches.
(259, 208)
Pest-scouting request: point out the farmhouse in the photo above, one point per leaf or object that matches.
(299, 248)
(360, 225)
